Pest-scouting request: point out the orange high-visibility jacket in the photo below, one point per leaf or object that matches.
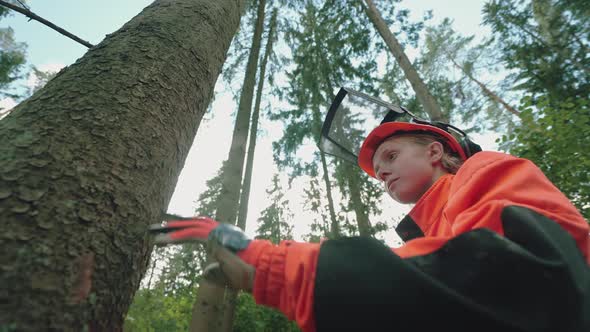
(496, 247)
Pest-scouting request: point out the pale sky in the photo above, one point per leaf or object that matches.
(91, 20)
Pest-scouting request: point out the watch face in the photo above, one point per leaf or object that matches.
(351, 117)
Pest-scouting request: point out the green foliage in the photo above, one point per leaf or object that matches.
(556, 138)
(273, 223)
(546, 43)
(370, 191)
(452, 63)
(320, 223)
(332, 44)
(153, 310)
(40, 79)
(12, 57)
(207, 201)
(251, 317)
(330, 47)
(182, 266)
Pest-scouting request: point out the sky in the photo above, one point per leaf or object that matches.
(91, 20)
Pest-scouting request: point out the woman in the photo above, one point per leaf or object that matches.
(490, 245)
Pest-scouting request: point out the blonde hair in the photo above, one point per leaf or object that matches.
(451, 161)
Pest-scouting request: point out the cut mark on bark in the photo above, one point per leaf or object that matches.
(83, 283)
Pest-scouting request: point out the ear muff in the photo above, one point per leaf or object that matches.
(470, 147)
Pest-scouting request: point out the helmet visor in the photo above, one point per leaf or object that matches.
(350, 119)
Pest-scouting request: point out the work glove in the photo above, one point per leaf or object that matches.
(223, 242)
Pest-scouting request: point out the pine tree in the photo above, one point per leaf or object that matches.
(212, 308)
(545, 43)
(429, 103)
(245, 193)
(207, 203)
(274, 223)
(331, 47)
(320, 225)
(457, 64)
(12, 57)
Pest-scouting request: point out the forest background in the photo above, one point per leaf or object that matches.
(514, 73)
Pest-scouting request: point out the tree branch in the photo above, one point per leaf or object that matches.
(36, 17)
(485, 89)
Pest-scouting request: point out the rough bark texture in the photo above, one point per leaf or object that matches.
(92, 158)
(430, 104)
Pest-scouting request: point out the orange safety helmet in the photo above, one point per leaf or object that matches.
(344, 133)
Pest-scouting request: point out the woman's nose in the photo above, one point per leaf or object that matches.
(382, 175)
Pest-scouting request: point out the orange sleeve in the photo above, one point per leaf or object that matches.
(482, 190)
(285, 278)
(501, 180)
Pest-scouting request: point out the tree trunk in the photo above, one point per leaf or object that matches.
(360, 210)
(231, 296)
(317, 128)
(485, 89)
(213, 311)
(334, 225)
(93, 158)
(239, 154)
(430, 104)
(317, 125)
(232, 177)
(245, 194)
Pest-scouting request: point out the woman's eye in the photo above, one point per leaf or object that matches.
(392, 156)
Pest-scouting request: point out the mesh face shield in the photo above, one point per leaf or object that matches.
(353, 115)
(350, 119)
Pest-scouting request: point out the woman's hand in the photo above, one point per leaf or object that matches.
(223, 242)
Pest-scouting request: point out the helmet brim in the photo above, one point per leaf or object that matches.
(382, 132)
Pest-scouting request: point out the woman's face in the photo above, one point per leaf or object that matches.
(407, 168)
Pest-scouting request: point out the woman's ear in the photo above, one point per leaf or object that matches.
(435, 151)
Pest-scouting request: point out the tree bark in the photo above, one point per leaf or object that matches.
(92, 158)
(424, 96)
(213, 310)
